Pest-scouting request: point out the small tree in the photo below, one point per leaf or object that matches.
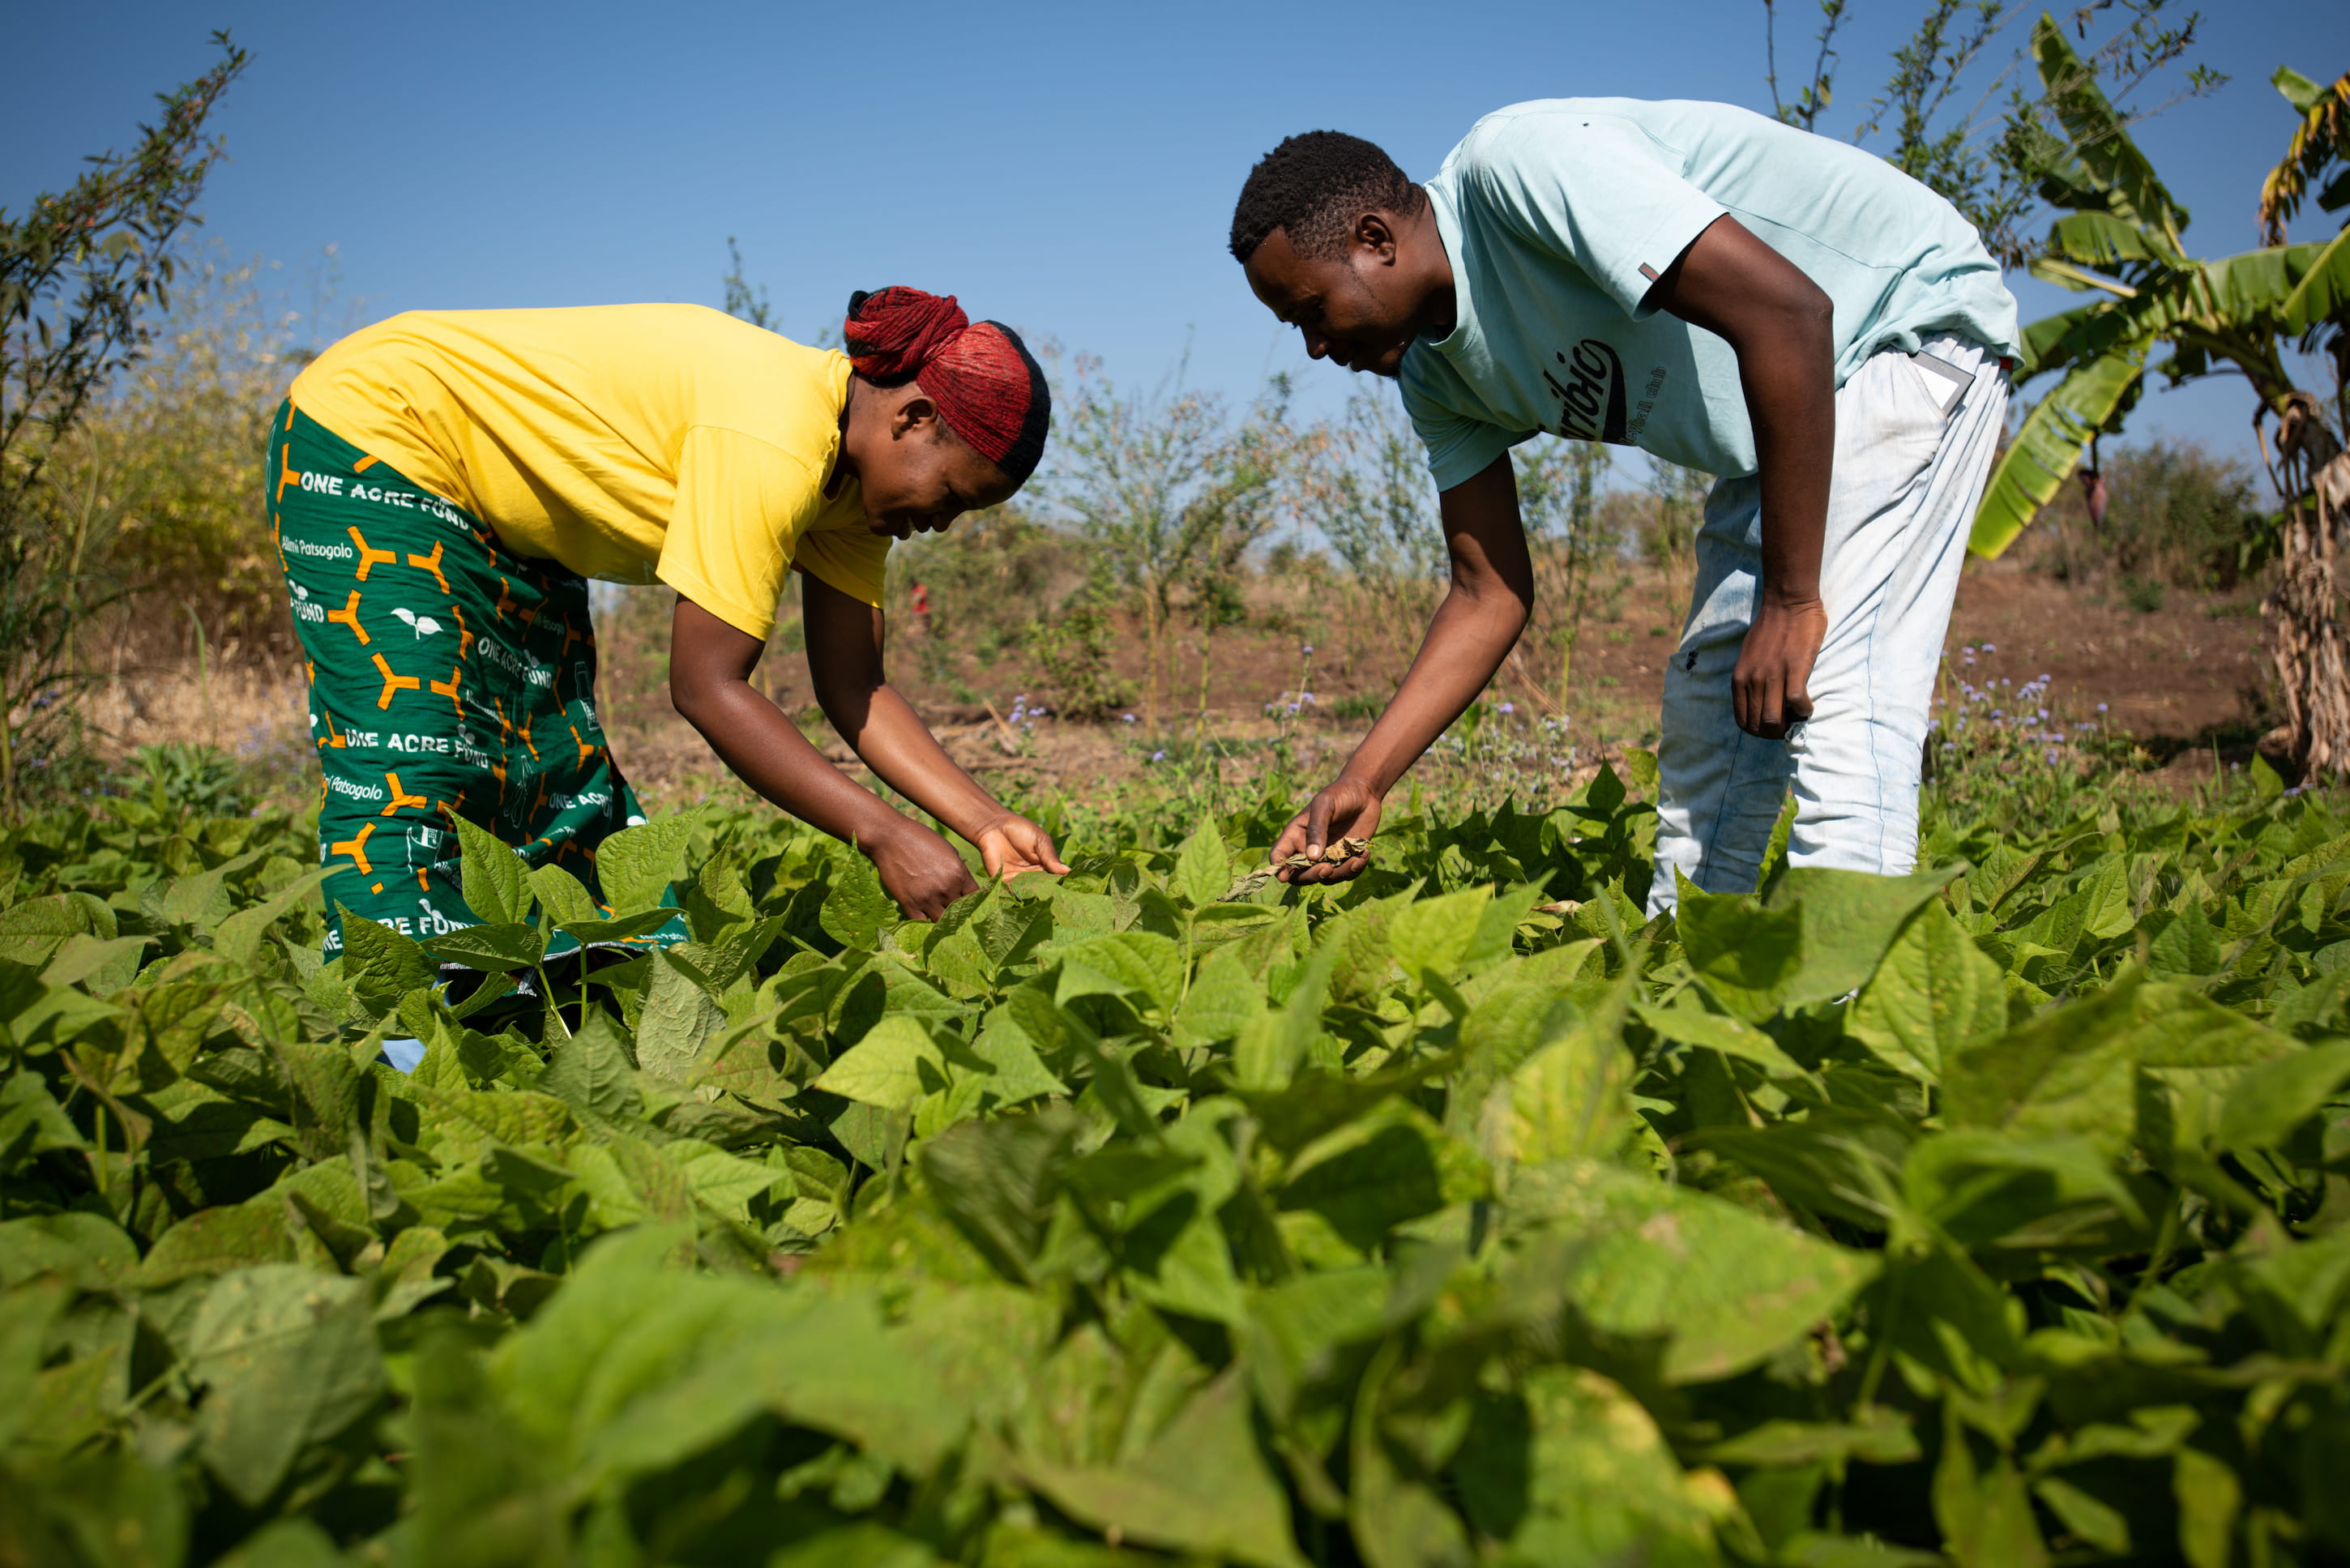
(1370, 497)
(1559, 498)
(81, 275)
(1173, 492)
(1961, 119)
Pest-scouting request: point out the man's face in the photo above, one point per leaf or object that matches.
(1352, 308)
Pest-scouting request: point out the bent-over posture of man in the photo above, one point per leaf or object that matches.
(1792, 314)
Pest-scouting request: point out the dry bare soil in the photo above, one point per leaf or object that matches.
(2188, 679)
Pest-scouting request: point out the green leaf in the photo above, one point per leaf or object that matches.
(1719, 1032)
(238, 938)
(215, 1241)
(87, 1252)
(679, 1018)
(2298, 90)
(495, 948)
(1850, 920)
(1986, 1518)
(1744, 955)
(2099, 154)
(1879, 1437)
(1200, 1487)
(1129, 964)
(1431, 936)
(31, 932)
(2210, 1497)
(721, 1180)
(1379, 1171)
(1572, 1099)
(619, 929)
(31, 1122)
(496, 879)
(381, 964)
(201, 900)
(591, 1072)
(635, 866)
(561, 898)
(101, 965)
(286, 1544)
(894, 1067)
(25, 1315)
(1224, 999)
(1721, 1284)
(998, 1182)
(1985, 1189)
(1202, 868)
(2323, 291)
(2269, 1101)
(288, 1358)
(1935, 993)
(1566, 1467)
(865, 1544)
(857, 909)
(2074, 1071)
(1269, 1049)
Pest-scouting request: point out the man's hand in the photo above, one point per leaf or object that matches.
(1770, 692)
(1011, 845)
(1347, 809)
(919, 870)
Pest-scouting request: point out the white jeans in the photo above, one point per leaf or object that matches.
(1915, 438)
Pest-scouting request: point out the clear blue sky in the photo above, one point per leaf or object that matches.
(1069, 169)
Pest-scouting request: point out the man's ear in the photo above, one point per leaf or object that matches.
(1374, 233)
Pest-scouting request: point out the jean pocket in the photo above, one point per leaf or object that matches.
(1944, 382)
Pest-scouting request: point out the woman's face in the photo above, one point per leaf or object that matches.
(918, 475)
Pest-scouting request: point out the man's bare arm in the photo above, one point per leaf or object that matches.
(1491, 596)
(1782, 326)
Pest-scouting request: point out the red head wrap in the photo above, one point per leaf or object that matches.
(990, 391)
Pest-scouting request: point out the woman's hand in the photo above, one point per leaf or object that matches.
(1011, 845)
(919, 870)
(1347, 809)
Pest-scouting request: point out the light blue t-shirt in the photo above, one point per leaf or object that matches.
(1560, 214)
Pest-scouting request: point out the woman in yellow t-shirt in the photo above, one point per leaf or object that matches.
(442, 484)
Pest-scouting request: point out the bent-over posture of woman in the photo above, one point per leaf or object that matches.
(444, 484)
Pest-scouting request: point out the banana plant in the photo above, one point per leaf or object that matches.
(2121, 241)
(2320, 145)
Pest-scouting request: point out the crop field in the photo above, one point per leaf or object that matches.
(1993, 1216)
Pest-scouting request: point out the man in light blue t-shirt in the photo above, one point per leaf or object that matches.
(1819, 331)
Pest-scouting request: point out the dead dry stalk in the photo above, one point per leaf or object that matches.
(2305, 642)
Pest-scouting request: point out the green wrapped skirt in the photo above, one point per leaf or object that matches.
(449, 677)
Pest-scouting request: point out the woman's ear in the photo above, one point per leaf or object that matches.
(916, 415)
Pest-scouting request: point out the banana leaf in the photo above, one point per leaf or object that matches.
(2297, 89)
(2102, 159)
(2049, 269)
(2324, 292)
(2076, 337)
(2251, 293)
(2101, 239)
(2048, 447)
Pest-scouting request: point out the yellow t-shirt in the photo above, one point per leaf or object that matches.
(631, 443)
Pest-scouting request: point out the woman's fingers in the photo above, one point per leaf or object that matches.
(1017, 848)
(1048, 858)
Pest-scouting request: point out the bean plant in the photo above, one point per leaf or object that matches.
(1993, 1215)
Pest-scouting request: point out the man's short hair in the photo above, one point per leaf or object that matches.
(1312, 187)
